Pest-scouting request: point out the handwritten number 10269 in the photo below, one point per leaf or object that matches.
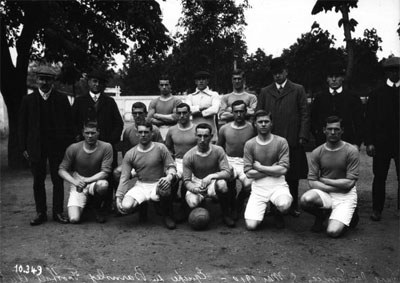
(28, 269)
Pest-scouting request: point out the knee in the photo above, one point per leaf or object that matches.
(305, 201)
(221, 186)
(74, 219)
(251, 225)
(101, 187)
(334, 233)
(283, 204)
(193, 201)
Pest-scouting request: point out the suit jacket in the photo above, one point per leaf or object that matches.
(382, 117)
(289, 111)
(106, 114)
(345, 105)
(29, 132)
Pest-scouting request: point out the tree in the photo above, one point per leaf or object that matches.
(257, 70)
(212, 39)
(81, 30)
(309, 56)
(348, 24)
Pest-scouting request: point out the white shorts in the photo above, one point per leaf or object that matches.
(80, 199)
(342, 204)
(238, 166)
(210, 189)
(142, 192)
(262, 191)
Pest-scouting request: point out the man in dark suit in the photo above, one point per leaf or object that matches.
(287, 103)
(45, 130)
(337, 101)
(382, 135)
(97, 106)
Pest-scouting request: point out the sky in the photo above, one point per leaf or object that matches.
(273, 25)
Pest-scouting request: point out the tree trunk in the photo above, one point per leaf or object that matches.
(349, 42)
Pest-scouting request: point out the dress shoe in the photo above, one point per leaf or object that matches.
(58, 217)
(39, 219)
(279, 221)
(375, 216)
(229, 222)
(169, 222)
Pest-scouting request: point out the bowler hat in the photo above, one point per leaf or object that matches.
(45, 71)
(335, 68)
(392, 62)
(202, 74)
(277, 65)
(97, 74)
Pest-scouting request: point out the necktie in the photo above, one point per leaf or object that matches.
(280, 89)
(95, 98)
(334, 92)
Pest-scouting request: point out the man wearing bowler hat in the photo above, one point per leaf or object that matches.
(382, 133)
(204, 103)
(45, 131)
(287, 102)
(97, 106)
(336, 100)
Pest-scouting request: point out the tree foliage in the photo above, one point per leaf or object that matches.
(82, 31)
(257, 70)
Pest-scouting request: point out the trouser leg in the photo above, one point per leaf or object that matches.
(380, 168)
(58, 183)
(38, 170)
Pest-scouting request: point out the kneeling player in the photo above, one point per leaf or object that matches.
(205, 172)
(86, 166)
(334, 169)
(155, 169)
(266, 160)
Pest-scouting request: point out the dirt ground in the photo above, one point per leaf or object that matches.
(124, 250)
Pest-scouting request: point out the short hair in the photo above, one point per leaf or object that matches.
(139, 105)
(261, 113)
(183, 104)
(333, 119)
(238, 72)
(204, 126)
(239, 102)
(146, 124)
(90, 124)
(164, 77)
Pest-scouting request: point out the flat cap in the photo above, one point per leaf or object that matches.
(45, 71)
(97, 74)
(201, 74)
(392, 62)
(277, 65)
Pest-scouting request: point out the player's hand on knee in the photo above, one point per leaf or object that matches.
(119, 206)
(79, 184)
(206, 181)
(164, 187)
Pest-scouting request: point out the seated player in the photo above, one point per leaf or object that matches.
(232, 137)
(266, 160)
(206, 171)
(86, 166)
(334, 170)
(155, 169)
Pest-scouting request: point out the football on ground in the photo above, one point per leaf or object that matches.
(199, 218)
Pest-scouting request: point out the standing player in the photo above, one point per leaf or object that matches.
(206, 171)
(161, 109)
(332, 177)
(238, 93)
(204, 102)
(155, 169)
(232, 137)
(86, 166)
(266, 160)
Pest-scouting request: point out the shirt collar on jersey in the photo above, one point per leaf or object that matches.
(205, 91)
(391, 84)
(339, 90)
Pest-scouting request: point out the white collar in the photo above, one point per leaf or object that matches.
(260, 142)
(391, 84)
(339, 90)
(278, 86)
(239, 93)
(185, 129)
(139, 148)
(204, 154)
(166, 98)
(238, 127)
(97, 95)
(205, 91)
(45, 95)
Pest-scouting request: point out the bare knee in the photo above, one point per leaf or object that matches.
(193, 200)
(74, 220)
(221, 186)
(335, 229)
(252, 225)
(101, 187)
(283, 203)
(128, 204)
